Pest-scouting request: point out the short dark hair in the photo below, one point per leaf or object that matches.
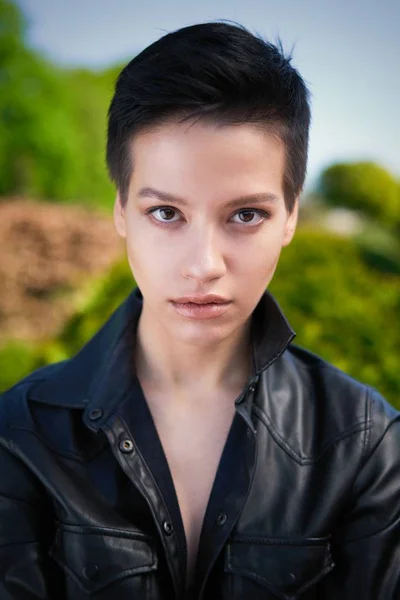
(217, 72)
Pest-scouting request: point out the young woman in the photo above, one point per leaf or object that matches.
(189, 450)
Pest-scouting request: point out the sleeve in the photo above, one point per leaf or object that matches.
(24, 571)
(366, 545)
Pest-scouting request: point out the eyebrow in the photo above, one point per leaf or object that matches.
(261, 197)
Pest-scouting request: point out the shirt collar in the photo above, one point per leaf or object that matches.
(102, 372)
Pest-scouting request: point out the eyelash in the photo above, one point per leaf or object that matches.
(262, 213)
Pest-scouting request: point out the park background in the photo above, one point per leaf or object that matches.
(62, 266)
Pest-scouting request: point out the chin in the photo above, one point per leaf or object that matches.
(200, 332)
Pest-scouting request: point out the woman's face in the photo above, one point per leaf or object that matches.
(205, 213)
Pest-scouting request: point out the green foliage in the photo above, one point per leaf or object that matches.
(52, 123)
(17, 360)
(12, 27)
(90, 95)
(380, 248)
(96, 304)
(362, 186)
(339, 308)
(38, 159)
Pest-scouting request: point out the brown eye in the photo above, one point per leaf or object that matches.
(246, 216)
(163, 214)
(167, 213)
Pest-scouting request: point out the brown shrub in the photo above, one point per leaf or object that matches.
(46, 251)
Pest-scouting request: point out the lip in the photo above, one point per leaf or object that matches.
(200, 311)
(202, 299)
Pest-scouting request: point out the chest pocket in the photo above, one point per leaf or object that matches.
(287, 570)
(95, 558)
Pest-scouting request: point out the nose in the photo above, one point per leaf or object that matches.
(203, 258)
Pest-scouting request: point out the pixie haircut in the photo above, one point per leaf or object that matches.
(212, 72)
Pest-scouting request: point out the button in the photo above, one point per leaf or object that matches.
(221, 519)
(168, 528)
(126, 446)
(292, 576)
(95, 414)
(251, 389)
(91, 571)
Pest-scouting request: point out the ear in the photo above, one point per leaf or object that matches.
(291, 223)
(119, 216)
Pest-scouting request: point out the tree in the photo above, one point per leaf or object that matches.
(52, 123)
(12, 28)
(362, 186)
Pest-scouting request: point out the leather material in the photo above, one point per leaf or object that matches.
(310, 507)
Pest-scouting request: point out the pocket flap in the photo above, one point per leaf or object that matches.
(95, 557)
(286, 569)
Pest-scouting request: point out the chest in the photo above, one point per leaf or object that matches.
(193, 438)
(193, 447)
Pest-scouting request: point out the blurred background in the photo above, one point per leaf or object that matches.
(62, 266)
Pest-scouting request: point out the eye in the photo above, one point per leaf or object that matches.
(166, 213)
(248, 214)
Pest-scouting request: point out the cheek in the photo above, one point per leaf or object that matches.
(260, 258)
(149, 257)
(257, 273)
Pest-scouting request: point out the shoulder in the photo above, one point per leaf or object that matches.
(323, 380)
(313, 405)
(45, 410)
(14, 402)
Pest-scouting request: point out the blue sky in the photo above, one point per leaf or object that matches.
(348, 51)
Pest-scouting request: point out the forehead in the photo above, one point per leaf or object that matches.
(190, 159)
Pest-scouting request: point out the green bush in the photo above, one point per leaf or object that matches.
(52, 123)
(17, 360)
(341, 309)
(97, 303)
(365, 187)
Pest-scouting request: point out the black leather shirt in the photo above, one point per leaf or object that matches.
(305, 504)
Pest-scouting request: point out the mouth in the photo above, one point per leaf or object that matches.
(200, 300)
(200, 303)
(201, 310)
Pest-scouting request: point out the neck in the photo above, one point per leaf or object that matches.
(170, 364)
